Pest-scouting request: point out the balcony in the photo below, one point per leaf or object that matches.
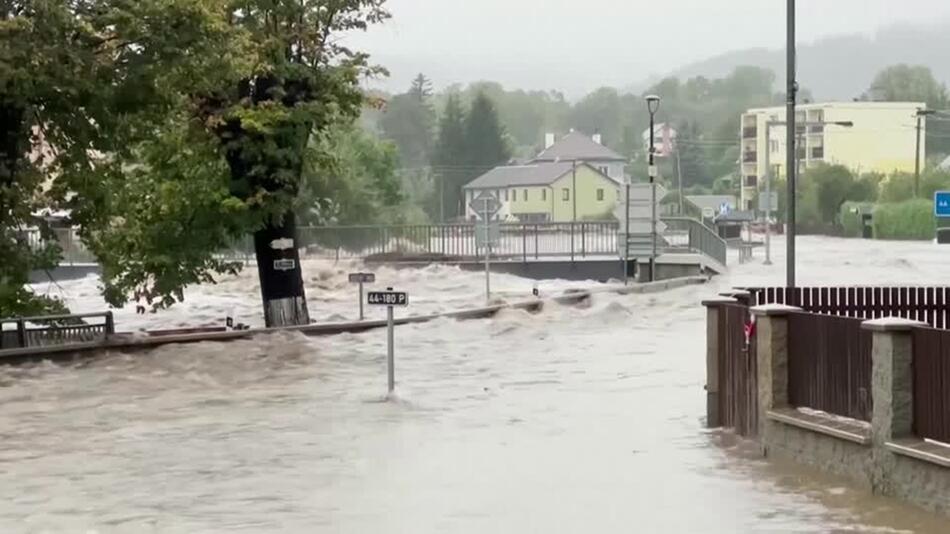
(818, 152)
(750, 132)
(749, 157)
(751, 181)
(816, 129)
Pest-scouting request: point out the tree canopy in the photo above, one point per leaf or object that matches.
(168, 128)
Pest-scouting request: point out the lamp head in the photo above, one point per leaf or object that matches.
(653, 103)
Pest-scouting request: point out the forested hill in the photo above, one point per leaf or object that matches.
(839, 68)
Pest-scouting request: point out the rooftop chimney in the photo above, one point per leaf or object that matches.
(548, 140)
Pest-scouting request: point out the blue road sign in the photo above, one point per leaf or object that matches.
(942, 203)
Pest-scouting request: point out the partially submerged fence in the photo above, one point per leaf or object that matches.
(830, 355)
(929, 305)
(931, 383)
(829, 365)
(738, 389)
(24, 332)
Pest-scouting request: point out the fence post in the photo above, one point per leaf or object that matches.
(110, 324)
(524, 243)
(771, 343)
(892, 391)
(713, 312)
(572, 241)
(583, 240)
(21, 333)
(535, 241)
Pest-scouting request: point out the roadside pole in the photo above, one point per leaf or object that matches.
(362, 278)
(626, 237)
(390, 299)
(390, 348)
(768, 194)
(487, 243)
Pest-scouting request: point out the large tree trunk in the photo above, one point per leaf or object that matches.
(278, 266)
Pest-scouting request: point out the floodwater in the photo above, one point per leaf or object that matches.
(570, 420)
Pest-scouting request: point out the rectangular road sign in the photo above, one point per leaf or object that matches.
(765, 205)
(494, 235)
(942, 203)
(285, 265)
(388, 298)
(362, 278)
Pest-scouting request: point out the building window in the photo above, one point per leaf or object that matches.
(506, 195)
(544, 194)
(603, 170)
(751, 181)
(600, 195)
(525, 195)
(565, 194)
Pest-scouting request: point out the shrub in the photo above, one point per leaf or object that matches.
(911, 219)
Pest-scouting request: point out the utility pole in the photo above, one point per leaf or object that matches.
(653, 104)
(574, 200)
(921, 113)
(790, 164)
(768, 192)
(679, 173)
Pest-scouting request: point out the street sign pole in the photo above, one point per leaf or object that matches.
(487, 216)
(391, 349)
(390, 299)
(362, 278)
(626, 233)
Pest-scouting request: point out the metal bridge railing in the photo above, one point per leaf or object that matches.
(697, 236)
(515, 240)
(23, 332)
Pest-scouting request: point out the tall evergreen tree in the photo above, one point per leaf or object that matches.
(409, 121)
(449, 158)
(485, 141)
(421, 88)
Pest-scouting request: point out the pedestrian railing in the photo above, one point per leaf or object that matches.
(699, 238)
(73, 249)
(459, 241)
(24, 332)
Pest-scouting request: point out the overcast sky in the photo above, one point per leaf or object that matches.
(578, 45)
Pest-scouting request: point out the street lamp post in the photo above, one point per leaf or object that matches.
(921, 113)
(653, 104)
(791, 95)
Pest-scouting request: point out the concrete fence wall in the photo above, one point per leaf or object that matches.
(884, 455)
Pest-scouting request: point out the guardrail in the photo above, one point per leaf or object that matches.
(23, 332)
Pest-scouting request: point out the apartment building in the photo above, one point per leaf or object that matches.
(863, 136)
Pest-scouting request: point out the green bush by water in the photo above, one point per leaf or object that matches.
(911, 219)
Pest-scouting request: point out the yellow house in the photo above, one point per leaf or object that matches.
(881, 137)
(547, 192)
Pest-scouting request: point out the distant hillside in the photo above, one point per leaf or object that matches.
(840, 68)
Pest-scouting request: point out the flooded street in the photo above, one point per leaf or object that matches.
(570, 420)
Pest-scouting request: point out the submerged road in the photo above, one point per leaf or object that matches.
(571, 420)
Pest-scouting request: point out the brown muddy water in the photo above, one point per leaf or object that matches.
(570, 420)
